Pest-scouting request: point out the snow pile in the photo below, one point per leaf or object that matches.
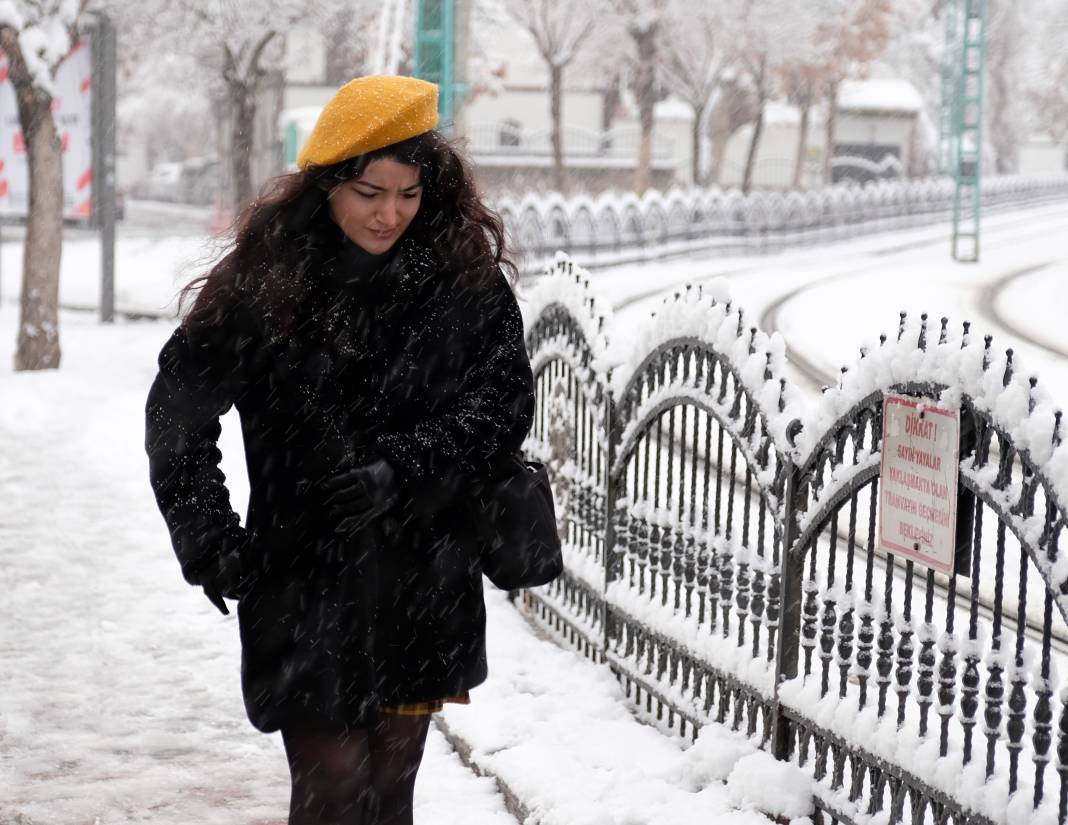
(557, 730)
(567, 285)
(759, 781)
(888, 94)
(920, 755)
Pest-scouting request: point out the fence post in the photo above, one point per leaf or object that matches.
(787, 650)
(610, 560)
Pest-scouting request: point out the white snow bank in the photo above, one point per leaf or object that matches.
(779, 788)
(568, 285)
(557, 729)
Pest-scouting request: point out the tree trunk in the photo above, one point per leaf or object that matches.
(831, 128)
(754, 145)
(720, 128)
(610, 100)
(734, 108)
(645, 40)
(695, 137)
(242, 78)
(37, 345)
(242, 130)
(556, 79)
(1003, 136)
(802, 144)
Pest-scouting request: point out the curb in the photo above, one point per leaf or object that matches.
(512, 802)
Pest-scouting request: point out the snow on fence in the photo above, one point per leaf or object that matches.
(720, 547)
(612, 227)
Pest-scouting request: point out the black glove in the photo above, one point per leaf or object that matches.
(223, 576)
(360, 495)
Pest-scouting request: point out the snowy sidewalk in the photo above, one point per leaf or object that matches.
(119, 691)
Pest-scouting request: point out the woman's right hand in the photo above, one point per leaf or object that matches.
(358, 496)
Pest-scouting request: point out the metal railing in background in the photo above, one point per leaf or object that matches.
(721, 554)
(509, 138)
(614, 228)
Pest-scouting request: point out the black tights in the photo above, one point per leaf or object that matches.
(361, 777)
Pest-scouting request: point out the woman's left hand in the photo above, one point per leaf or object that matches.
(360, 495)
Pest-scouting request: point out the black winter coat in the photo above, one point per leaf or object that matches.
(410, 365)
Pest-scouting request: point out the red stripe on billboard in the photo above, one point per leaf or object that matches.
(85, 179)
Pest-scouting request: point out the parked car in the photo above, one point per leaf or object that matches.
(164, 182)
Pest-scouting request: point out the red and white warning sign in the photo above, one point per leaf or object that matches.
(918, 481)
(72, 108)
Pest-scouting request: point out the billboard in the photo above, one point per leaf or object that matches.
(72, 109)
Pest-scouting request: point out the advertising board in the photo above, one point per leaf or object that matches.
(72, 107)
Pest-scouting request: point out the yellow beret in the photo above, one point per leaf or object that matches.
(368, 113)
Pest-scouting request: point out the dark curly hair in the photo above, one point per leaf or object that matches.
(287, 233)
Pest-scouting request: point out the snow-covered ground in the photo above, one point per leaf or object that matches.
(119, 685)
(120, 697)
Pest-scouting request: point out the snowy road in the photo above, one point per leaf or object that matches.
(827, 301)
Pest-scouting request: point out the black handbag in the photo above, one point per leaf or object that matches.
(519, 545)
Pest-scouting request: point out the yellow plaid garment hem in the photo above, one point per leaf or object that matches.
(423, 708)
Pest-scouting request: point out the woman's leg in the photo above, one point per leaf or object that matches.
(396, 751)
(331, 775)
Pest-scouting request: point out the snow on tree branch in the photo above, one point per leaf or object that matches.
(45, 31)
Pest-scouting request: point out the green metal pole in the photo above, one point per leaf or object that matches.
(968, 134)
(435, 52)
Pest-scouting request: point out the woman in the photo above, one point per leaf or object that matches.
(364, 329)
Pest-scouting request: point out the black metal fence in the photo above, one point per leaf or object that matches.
(612, 228)
(722, 557)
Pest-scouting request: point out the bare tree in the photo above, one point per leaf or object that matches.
(347, 35)
(36, 36)
(1047, 86)
(643, 20)
(763, 34)
(558, 30)
(1005, 50)
(233, 46)
(694, 59)
(858, 33)
(735, 106)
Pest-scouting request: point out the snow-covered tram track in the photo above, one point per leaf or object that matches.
(989, 301)
(815, 256)
(817, 377)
